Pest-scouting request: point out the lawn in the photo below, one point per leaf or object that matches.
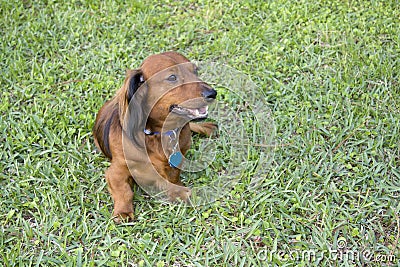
(330, 74)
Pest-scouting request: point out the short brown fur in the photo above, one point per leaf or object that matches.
(140, 87)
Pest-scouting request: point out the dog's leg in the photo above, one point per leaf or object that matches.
(153, 183)
(174, 192)
(119, 184)
(205, 128)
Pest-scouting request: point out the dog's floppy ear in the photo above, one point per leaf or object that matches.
(134, 79)
(132, 108)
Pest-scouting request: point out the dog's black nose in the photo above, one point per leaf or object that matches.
(209, 93)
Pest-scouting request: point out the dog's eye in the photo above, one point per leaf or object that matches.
(172, 78)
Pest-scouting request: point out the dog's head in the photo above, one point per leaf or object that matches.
(167, 85)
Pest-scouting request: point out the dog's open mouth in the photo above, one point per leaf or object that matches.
(193, 113)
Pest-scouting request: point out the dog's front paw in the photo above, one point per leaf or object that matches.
(210, 128)
(179, 193)
(122, 217)
(204, 128)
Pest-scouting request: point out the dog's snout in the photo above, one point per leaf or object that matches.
(209, 93)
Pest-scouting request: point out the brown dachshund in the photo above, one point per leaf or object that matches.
(145, 129)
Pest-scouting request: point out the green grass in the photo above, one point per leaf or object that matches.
(330, 71)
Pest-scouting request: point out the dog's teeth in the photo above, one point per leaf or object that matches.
(203, 110)
(195, 112)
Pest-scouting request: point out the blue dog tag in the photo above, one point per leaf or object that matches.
(175, 159)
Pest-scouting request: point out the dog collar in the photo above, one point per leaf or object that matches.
(169, 133)
(149, 132)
